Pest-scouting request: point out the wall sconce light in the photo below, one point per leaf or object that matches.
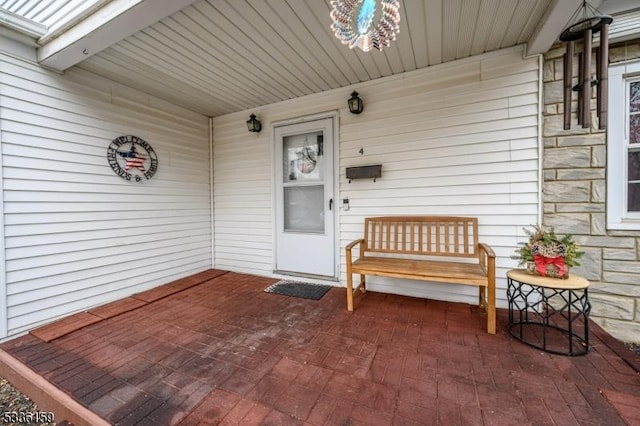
(355, 103)
(253, 124)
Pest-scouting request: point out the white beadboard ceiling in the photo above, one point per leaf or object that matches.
(221, 56)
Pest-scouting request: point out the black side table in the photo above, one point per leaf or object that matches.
(550, 314)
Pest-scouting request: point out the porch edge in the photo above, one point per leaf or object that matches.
(45, 395)
(616, 346)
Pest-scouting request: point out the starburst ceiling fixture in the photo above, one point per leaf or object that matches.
(355, 24)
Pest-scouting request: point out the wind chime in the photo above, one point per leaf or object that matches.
(584, 23)
(354, 23)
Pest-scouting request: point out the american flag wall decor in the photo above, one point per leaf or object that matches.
(132, 158)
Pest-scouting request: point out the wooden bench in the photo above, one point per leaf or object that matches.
(429, 248)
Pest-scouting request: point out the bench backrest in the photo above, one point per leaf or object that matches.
(422, 235)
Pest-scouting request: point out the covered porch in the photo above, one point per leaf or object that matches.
(214, 348)
(461, 113)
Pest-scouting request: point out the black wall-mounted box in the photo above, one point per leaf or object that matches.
(364, 172)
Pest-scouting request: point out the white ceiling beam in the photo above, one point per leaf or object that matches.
(22, 25)
(115, 21)
(551, 26)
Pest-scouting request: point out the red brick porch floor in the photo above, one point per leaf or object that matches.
(216, 349)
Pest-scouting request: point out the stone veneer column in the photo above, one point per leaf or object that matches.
(574, 202)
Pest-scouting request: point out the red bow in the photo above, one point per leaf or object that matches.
(542, 262)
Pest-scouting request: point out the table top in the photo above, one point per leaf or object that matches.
(573, 282)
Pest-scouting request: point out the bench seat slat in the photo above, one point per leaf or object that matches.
(453, 272)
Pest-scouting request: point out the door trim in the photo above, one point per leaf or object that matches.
(335, 115)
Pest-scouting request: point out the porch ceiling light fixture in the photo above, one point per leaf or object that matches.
(253, 124)
(585, 22)
(356, 106)
(355, 24)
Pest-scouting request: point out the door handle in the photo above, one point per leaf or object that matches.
(330, 203)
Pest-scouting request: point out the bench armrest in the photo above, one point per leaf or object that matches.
(487, 258)
(348, 248)
(488, 250)
(352, 244)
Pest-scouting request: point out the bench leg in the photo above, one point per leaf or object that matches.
(491, 306)
(482, 297)
(349, 291)
(363, 285)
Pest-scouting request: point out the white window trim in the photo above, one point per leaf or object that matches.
(617, 215)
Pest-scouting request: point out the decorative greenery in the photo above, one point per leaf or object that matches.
(544, 241)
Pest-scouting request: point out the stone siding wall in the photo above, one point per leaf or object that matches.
(574, 202)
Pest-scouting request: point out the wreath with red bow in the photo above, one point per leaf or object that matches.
(547, 254)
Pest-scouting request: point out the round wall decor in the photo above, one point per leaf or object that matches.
(132, 158)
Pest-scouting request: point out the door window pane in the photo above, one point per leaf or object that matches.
(304, 209)
(634, 96)
(634, 165)
(633, 197)
(633, 194)
(634, 128)
(303, 158)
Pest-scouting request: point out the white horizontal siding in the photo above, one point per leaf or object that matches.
(625, 26)
(77, 235)
(455, 139)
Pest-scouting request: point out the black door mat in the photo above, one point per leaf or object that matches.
(298, 289)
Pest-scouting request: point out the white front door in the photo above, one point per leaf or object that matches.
(305, 205)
